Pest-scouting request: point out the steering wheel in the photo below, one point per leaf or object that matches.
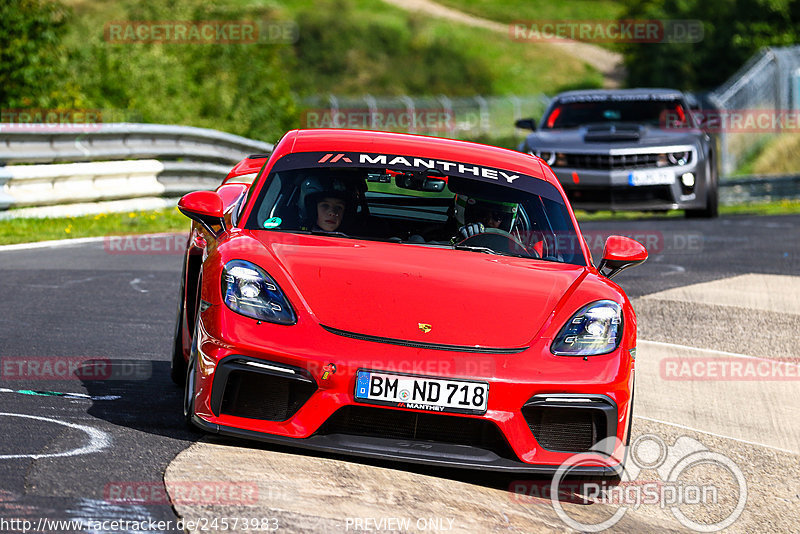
(499, 240)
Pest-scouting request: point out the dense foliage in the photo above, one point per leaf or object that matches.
(31, 53)
(733, 31)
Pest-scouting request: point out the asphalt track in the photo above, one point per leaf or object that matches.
(712, 291)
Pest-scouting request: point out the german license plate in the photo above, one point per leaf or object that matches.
(660, 177)
(421, 392)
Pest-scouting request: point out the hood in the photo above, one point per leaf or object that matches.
(388, 289)
(600, 138)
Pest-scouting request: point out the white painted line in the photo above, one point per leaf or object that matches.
(707, 351)
(80, 241)
(51, 244)
(135, 285)
(98, 440)
(684, 427)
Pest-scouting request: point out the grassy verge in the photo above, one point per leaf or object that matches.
(538, 10)
(780, 207)
(171, 220)
(135, 222)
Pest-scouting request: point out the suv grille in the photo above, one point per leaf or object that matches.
(611, 163)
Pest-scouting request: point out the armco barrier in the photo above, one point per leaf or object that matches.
(759, 189)
(52, 164)
(41, 185)
(19, 143)
(49, 165)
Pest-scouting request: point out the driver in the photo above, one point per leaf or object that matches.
(475, 215)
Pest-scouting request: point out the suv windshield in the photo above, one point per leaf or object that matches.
(655, 112)
(393, 203)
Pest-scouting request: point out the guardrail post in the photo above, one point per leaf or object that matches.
(6, 201)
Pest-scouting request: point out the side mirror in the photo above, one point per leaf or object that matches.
(526, 124)
(620, 253)
(205, 207)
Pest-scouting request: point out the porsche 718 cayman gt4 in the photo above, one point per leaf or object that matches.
(404, 297)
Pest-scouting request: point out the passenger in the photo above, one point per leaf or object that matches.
(323, 203)
(330, 211)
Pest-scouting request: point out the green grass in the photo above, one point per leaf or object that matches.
(136, 222)
(344, 47)
(531, 10)
(779, 207)
(171, 220)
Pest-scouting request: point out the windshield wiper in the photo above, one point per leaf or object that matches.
(323, 232)
(486, 250)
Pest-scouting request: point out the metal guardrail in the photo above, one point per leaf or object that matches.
(45, 143)
(46, 164)
(759, 189)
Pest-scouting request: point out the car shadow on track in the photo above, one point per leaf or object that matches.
(148, 401)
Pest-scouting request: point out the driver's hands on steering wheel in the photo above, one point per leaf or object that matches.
(469, 230)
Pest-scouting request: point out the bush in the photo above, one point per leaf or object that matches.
(733, 31)
(30, 49)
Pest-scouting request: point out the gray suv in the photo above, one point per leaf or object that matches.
(627, 149)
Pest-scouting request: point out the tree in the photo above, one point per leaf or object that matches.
(30, 52)
(734, 30)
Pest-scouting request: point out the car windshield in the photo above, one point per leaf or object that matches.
(390, 199)
(662, 113)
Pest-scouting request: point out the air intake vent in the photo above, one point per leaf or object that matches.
(570, 422)
(565, 429)
(264, 396)
(398, 424)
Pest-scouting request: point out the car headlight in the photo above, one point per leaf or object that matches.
(595, 329)
(248, 290)
(679, 158)
(548, 156)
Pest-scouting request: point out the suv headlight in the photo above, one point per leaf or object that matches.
(679, 158)
(595, 329)
(247, 289)
(547, 155)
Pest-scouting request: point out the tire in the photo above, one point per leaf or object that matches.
(190, 385)
(711, 211)
(177, 369)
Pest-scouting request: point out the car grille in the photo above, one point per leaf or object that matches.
(608, 162)
(621, 195)
(565, 429)
(263, 396)
(398, 424)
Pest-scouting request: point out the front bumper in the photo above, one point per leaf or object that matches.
(416, 452)
(594, 189)
(309, 410)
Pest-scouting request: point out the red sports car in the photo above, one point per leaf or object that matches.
(408, 298)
